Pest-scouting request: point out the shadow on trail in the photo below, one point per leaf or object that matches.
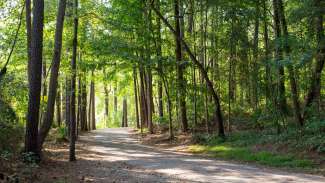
(115, 146)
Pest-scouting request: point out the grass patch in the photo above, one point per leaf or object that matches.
(292, 148)
(226, 151)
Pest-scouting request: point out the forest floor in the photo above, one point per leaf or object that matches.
(117, 155)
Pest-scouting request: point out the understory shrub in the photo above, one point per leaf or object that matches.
(11, 132)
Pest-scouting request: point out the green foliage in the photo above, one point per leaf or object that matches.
(62, 132)
(11, 132)
(244, 154)
(242, 145)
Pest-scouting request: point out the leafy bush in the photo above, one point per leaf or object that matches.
(11, 133)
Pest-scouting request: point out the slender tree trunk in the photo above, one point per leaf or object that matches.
(106, 103)
(93, 103)
(143, 105)
(90, 107)
(180, 69)
(268, 76)
(58, 107)
(205, 38)
(83, 117)
(255, 77)
(79, 105)
(292, 78)
(282, 102)
(72, 156)
(35, 79)
(67, 104)
(160, 66)
(135, 85)
(149, 100)
(53, 85)
(315, 85)
(29, 32)
(125, 113)
(115, 98)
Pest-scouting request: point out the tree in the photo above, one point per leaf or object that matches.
(215, 96)
(282, 102)
(314, 88)
(293, 82)
(180, 68)
(72, 156)
(53, 85)
(35, 79)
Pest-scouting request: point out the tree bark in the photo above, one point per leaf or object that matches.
(315, 85)
(292, 78)
(268, 76)
(135, 85)
(255, 78)
(90, 107)
(28, 32)
(72, 156)
(67, 104)
(160, 66)
(282, 102)
(93, 103)
(53, 85)
(149, 100)
(58, 107)
(180, 68)
(83, 117)
(125, 113)
(35, 79)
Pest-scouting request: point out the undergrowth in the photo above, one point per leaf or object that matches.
(288, 149)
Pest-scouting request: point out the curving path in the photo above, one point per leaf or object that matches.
(150, 164)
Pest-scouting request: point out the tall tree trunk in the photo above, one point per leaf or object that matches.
(35, 79)
(67, 104)
(90, 107)
(255, 78)
(106, 91)
(79, 105)
(292, 78)
(180, 69)
(115, 98)
(53, 85)
(93, 103)
(315, 85)
(106, 104)
(160, 66)
(143, 104)
(58, 107)
(72, 156)
(149, 100)
(135, 85)
(83, 117)
(29, 33)
(125, 113)
(232, 61)
(268, 76)
(282, 102)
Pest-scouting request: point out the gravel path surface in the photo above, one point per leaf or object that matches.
(149, 164)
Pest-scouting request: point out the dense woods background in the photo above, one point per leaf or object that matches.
(251, 70)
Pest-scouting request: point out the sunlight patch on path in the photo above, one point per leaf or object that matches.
(116, 145)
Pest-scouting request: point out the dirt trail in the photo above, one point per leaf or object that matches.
(148, 164)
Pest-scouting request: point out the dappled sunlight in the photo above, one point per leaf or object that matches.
(115, 145)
